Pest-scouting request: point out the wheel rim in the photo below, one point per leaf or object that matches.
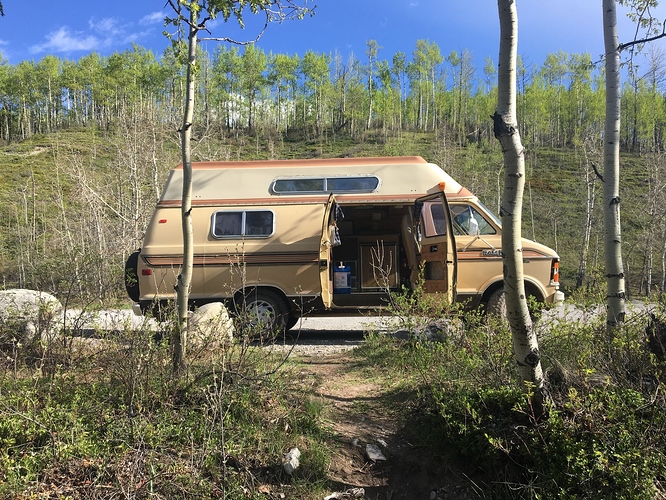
(261, 312)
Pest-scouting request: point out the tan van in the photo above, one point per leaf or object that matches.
(291, 237)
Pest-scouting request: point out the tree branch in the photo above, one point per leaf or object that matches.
(596, 172)
(623, 46)
(238, 42)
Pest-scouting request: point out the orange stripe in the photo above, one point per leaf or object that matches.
(394, 160)
(293, 200)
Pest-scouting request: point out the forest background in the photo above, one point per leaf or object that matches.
(88, 143)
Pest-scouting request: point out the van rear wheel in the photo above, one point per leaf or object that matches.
(291, 322)
(265, 311)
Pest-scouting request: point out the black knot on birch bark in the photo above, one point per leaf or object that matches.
(615, 201)
(533, 358)
(500, 127)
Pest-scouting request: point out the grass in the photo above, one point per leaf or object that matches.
(94, 417)
(109, 417)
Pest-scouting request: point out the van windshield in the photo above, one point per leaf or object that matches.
(489, 213)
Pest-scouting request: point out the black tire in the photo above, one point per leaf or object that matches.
(291, 322)
(496, 305)
(266, 311)
(131, 276)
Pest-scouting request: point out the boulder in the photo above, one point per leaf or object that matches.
(28, 315)
(210, 325)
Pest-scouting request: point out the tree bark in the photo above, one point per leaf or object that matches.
(179, 343)
(615, 283)
(525, 345)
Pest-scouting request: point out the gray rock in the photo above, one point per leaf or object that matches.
(439, 330)
(291, 461)
(33, 315)
(374, 453)
(210, 325)
(349, 494)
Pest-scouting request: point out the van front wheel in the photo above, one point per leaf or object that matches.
(496, 305)
(266, 311)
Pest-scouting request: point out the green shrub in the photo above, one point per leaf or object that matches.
(603, 432)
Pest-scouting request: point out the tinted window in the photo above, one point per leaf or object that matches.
(298, 186)
(240, 224)
(346, 184)
(438, 219)
(258, 223)
(352, 184)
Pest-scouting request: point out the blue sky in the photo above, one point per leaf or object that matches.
(70, 29)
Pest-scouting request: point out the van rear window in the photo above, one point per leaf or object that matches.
(313, 185)
(243, 224)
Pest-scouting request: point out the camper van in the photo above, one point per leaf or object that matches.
(285, 238)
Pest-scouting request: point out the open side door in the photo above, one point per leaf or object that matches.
(328, 233)
(436, 244)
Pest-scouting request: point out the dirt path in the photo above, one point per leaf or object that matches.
(358, 413)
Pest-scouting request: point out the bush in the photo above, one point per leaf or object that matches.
(603, 432)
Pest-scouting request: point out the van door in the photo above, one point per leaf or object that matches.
(436, 244)
(327, 233)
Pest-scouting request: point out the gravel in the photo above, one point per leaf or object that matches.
(321, 335)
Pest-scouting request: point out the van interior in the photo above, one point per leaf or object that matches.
(374, 256)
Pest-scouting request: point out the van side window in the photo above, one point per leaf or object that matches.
(246, 223)
(466, 220)
(435, 222)
(285, 186)
(351, 184)
(315, 185)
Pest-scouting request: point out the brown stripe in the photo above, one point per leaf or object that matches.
(477, 255)
(249, 259)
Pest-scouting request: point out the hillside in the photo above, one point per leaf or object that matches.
(76, 202)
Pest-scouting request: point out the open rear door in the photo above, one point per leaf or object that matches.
(328, 228)
(436, 244)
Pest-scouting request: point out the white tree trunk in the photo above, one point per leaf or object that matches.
(525, 345)
(179, 343)
(615, 296)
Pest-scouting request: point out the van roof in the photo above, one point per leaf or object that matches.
(400, 176)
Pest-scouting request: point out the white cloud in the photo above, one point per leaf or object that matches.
(152, 18)
(107, 26)
(62, 40)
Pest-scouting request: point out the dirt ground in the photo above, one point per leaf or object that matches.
(357, 415)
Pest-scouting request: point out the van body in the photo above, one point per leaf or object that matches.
(290, 237)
